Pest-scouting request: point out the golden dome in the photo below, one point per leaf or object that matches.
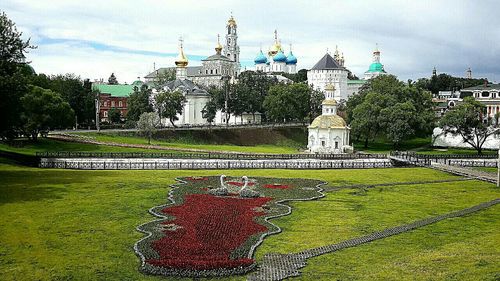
(328, 122)
(329, 102)
(218, 47)
(276, 47)
(181, 60)
(231, 21)
(330, 87)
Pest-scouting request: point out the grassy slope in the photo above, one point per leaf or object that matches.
(55, 145)
(195, 144)
(80, 225)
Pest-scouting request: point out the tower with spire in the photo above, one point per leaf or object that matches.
(231, 49)
(376, 68)
(181, 62)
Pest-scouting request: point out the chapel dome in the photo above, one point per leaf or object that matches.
(261, 58)
(291, 59)
(279, 57)
(328, 122)
(376, 67)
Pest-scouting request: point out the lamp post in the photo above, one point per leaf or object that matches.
(97, 109)
(225, 79)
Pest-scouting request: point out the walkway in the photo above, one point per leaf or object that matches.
(276, 266)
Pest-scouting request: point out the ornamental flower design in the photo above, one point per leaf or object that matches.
(206, 234)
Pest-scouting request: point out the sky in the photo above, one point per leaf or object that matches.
(92, 38)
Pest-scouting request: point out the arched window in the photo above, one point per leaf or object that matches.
(485, 94)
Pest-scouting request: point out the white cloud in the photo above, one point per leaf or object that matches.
(414, 36)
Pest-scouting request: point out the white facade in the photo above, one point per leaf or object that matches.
(329, 133)
(245, 118)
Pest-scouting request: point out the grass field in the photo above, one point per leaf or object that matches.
(30, 148)
(80, 225)
(261, 148)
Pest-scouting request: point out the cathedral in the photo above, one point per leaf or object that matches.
(224, 63)
(276, 61)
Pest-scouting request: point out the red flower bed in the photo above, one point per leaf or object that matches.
(197, 178)
(277, 186)
(210, 229)
(237, 183)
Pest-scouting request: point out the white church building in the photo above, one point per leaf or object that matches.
(329, 133)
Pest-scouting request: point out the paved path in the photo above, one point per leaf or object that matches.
(276, 266)
(462, 171)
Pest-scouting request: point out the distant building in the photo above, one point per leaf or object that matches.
(329, 70)
(225, 62)
(276, 61)
(329, 133)
(376, 68)
(487, 94)
(114, 96)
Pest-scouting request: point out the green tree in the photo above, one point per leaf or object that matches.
(148, 124)
(138, 102)
(209, 111)
(288, 102)
(467, 120)
(43, 110)
(162, 77)
(398, 121)
(13, 82)
(114, 115)
(112, 79)
(382, 94)
(170, 104)
(315, 101)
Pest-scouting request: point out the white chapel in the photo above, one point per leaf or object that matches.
(329, 133)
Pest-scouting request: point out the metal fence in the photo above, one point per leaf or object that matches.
(172, 164)
(465, 160)
(230, 156)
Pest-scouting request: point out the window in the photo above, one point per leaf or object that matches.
(485, 94)
(336, 145)
(120, 104)
(323, 143)
(112, 103)
(211, 71)
(105, 114)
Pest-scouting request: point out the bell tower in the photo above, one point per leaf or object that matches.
(231, 49)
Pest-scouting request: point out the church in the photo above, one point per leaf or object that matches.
(276, 61)
(224, 63)
(329, 133)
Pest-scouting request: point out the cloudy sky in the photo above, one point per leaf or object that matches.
(94, 38)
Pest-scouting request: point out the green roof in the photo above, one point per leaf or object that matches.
(115, 90)
(356, 81)
(376, 67)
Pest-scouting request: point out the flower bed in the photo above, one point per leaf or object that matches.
(276, 186)
(202, 235)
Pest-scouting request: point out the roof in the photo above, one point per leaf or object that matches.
(483, 87)
(376, 67)
(356, 82)
(217, 57)
(326, 62)
(115, 90)
(329, 102)
(187, 86)
(328, 122)
(191, 71)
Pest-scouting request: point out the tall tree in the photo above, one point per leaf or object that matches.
(288, 102)
(138, 102)
(114, 115)
(13, 84)
(71, 88)
(148, 124)
(170, 104)
(468, 121)
(43, 110)
(112, 79)
(398, 121)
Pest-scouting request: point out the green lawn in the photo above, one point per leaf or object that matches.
(80, 225)
(262, 148)
(30, 148)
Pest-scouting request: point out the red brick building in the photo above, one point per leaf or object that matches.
(114, 96)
